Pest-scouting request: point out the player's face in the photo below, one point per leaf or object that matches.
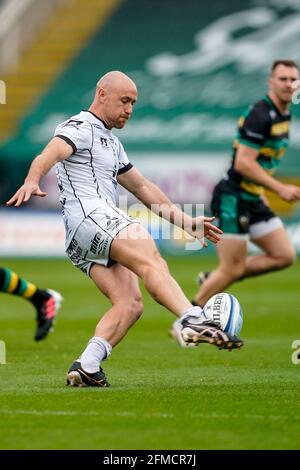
(282, 82)
(119, 106)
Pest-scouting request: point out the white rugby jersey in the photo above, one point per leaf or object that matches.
(89, 175)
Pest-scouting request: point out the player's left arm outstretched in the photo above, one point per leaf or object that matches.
(56, 150)
(155, 199)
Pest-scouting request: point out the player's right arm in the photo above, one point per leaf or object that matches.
(246, 164)
(56, 151)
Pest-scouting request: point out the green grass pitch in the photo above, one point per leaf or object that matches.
(162, 396)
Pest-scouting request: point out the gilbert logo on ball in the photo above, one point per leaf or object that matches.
(225, 310)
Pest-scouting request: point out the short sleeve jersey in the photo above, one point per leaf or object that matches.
(265, 129)
(90, 173)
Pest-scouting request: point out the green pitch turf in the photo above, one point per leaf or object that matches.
(162, 396)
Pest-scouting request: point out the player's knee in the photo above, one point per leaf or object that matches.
(157, 262)
(239, 272)
(154, 266)
(135, 307)
(234, 271)
(163, 265)
(287, 259)
(138, 307)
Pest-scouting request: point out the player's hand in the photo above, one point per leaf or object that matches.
(24, 193)
(289, 192)
(203, 228)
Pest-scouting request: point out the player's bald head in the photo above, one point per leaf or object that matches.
(114, 99)
(115, 80)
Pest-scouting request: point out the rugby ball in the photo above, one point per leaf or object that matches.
(225, 310)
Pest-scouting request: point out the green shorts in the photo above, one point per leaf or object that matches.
(238, 215)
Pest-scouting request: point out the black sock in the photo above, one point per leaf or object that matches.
(39, 297)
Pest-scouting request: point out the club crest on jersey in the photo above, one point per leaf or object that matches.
(104, 142)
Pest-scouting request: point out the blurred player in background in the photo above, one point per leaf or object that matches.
(238, 201)
(46, 302)
(103, 241)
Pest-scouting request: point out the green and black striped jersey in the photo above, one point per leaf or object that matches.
(264, 128)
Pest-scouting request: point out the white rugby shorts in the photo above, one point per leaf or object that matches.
(93, 237)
